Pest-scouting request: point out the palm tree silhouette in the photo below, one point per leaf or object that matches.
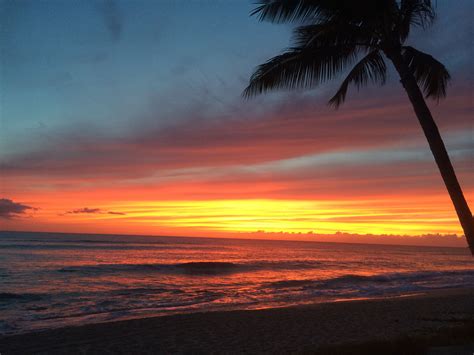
(333, 34)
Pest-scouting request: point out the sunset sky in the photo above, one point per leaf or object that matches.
(127, 117)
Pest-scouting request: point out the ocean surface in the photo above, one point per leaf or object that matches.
(51, 280)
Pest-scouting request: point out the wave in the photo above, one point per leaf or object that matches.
(190, 268)
(207, 267)
(92, 241)
(397, 279)
(412, 276)
(290, 283)
(74, 245)
(10, 296)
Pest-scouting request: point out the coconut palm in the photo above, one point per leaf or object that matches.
(335, 34)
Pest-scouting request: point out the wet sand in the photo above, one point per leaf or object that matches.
(439, 322)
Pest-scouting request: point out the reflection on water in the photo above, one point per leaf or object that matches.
(50, 280)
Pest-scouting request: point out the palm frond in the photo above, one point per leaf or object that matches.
(292, 10)
(371, 68)
(431, 75)
(300, 68)
(334, 34)
(419, 13)
(279, 11)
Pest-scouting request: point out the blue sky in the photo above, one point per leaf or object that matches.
(97, 65)
(101, 66)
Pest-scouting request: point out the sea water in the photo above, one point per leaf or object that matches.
(51, 280)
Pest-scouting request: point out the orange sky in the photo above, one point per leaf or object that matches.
(283, 179)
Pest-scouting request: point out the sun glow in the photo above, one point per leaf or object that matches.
(284, 216)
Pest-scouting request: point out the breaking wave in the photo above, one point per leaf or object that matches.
(191, 268)
(420, 279)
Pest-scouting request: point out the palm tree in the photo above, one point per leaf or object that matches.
(334, 34)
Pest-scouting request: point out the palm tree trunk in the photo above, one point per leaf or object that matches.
(437, 147)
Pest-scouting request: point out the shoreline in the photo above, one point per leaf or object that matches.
(413, 322)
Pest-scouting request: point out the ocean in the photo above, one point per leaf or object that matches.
(52, 280)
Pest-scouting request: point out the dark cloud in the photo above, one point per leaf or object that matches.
(112, 17)
(117, 213)
(10, 209)
(87, 210)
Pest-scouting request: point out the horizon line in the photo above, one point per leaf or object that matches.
(261, 239)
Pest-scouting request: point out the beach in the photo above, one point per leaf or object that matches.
(437, 322)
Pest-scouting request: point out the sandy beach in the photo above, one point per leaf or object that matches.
(439, 322)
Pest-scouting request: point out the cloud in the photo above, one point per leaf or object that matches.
(117, 213)
(87, 210)
(443, 240)
(112, 17)
(10, 209)
(294, 129)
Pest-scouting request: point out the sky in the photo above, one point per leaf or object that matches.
(121, 116)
